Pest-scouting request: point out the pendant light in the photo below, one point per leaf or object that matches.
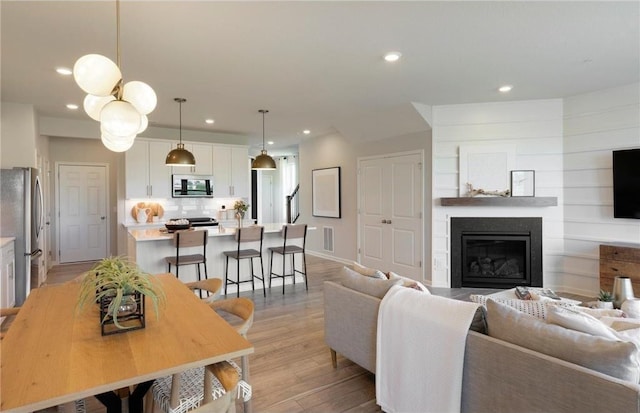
(121, 108)
(180, 156)
(263, 161)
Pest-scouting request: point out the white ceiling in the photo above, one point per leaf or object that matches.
(318, 65)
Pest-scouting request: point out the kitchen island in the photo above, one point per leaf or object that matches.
(149, 246)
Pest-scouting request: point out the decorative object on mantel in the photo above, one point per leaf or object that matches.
(622, 290)
(119, 287)
(120, 108)
(241, 208)
(537, 201)
(180, 156)
(523, 183)
(471, 192)
(487, 166)
(605, 299)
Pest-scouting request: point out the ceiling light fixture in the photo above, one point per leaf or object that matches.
(263, 161)
(180, 156)
(392, 56)
(270, 142)
(210, 121)
(64, 71)
(72, 106)
(306, 131)
(505, 88)
(120, 108)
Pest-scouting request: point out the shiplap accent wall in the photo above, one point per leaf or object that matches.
(595, 124)
(535, 128)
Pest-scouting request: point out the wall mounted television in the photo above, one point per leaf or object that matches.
(626, 183)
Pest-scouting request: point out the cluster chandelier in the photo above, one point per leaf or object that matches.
(121, 108)
(180, 156)
(263, 161)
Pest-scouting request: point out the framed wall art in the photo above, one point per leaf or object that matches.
(523, 183)
(325, 188)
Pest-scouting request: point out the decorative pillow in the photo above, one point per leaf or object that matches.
(615, 358)
(367, 285)
(369, 272)
(408, 282)
(577, 320)
(536, 308)
(596, 312)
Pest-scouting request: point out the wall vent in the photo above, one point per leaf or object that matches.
(328, 238)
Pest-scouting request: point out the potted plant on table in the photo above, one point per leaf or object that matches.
(118, 286)
(605, 299)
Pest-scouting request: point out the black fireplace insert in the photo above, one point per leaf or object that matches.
(496, 252)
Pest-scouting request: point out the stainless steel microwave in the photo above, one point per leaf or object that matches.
(191, 186)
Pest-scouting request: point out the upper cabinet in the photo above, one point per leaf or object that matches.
(231, 171)
(146, 174)
(204, 160)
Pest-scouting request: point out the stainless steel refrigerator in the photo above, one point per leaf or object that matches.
(21, 216)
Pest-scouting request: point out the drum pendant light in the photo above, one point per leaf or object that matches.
(263, 161)
(180, 156)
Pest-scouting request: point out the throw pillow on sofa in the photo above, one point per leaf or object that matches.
(536, 308)
(614, 358)
(369, 272)
(408, 282)
(368, 285)
(575, 319)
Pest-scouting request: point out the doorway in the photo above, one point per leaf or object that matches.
(82, 211)
(390, 205)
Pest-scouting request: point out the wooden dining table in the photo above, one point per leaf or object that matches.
(54, 354)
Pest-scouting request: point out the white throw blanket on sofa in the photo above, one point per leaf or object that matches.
(420, 351)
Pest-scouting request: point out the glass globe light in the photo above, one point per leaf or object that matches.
(140, 95)
(117, 143)
(120, 118)
(144, 122)
(96, 74)
(93, 105)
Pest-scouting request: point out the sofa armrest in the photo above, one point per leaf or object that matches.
(501, 377)
(351, 323)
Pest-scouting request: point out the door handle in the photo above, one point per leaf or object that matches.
(384, 221)
(388, 221)
(103, 218)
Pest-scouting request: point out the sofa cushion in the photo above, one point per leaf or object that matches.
(615, 358)
(369, 272)
(577, 320)
(408, 282)
(368, 285)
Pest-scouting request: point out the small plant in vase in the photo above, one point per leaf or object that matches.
(605, 299)
(241, 208)
(119, 287)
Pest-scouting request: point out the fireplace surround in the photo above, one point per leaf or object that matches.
(502, 252)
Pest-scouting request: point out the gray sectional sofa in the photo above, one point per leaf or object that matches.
(498, 376)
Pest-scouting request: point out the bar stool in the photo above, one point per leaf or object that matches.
(290, 232)
(186, 239)
(245, 235)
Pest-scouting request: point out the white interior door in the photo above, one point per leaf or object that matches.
(391, 227)
(83, 212)
(266, 198)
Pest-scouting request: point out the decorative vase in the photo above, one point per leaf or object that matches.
(605, 304)
(239, 217)
(622, 290)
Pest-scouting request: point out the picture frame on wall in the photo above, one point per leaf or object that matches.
(325, 189)
(523, 183)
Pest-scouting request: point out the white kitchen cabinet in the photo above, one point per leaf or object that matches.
(8, 273)
(146, 174)
(204, 160)
(231, 171)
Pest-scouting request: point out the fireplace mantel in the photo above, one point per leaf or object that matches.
(534, 201)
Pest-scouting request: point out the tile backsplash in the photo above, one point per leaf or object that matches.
(186, 208)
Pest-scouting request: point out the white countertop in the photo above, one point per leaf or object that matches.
(5, 240)
(154, 234)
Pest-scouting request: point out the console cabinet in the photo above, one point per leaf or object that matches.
(619, 260)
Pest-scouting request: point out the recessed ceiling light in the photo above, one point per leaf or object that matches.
(505, 88)
(210, 121)
(269, 142)
(306, 131)
(72, 106)
(64, 71)
(392, 56)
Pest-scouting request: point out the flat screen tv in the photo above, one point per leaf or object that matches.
(626, 183)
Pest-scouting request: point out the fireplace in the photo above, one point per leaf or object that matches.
(496, 252)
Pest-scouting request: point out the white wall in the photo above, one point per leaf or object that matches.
(595, 124)
(18, 135)
(535, 128)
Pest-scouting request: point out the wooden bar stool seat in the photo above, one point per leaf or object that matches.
(253, 234)
(188, 239)
(290, 232)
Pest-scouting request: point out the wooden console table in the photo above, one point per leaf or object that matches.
(619, 260)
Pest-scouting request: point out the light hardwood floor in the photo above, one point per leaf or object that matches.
(291, 368)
